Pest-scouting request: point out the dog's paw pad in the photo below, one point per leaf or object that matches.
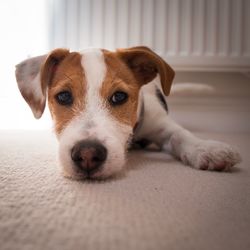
(213, 155)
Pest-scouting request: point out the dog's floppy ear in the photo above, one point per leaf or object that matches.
(145, 65)
(33, 77)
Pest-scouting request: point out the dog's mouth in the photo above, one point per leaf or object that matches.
(97, 155)
(91, 160)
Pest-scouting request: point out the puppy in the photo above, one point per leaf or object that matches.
(102, 101)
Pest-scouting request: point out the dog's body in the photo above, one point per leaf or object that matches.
(101, 101)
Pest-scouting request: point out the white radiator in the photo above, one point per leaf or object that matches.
(189, 34)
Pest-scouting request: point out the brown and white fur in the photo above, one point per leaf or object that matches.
(92, 77)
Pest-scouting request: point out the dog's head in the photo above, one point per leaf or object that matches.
(93, 99)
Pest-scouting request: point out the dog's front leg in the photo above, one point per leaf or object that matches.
(198, 153)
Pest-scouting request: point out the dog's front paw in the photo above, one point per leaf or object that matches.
(211, 155)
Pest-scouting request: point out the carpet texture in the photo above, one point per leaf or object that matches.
(158, 204)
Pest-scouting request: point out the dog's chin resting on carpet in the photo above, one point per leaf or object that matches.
(101, 101)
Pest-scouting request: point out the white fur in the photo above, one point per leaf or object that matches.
(203, 154)
(95, 123)
(153, 111)
(198, 153)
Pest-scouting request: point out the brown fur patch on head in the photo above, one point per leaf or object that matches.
(68, 76)
(145, 65)
(120, 78)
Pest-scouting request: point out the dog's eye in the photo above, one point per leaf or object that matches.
(64, 98)
(118, 98)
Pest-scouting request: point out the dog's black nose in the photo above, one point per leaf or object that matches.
(89, 156)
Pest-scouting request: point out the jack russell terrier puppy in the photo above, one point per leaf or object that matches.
(102, 101)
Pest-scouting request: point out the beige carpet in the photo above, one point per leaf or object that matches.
(158, 204)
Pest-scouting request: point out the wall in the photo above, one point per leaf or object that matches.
(189, 34)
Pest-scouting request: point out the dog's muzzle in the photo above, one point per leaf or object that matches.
(88, 156)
